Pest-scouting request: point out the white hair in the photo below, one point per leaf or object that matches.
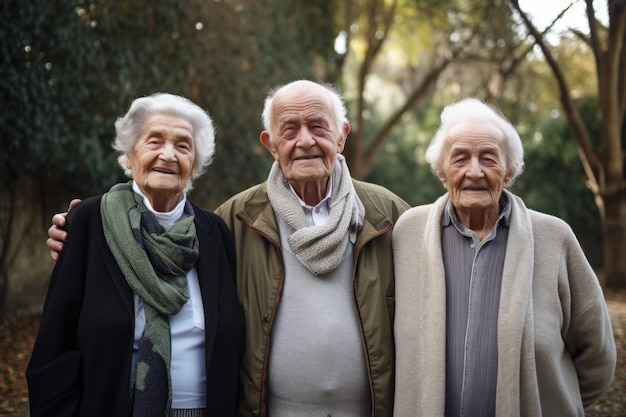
(337, 103)
(129, 128)
(471, 109)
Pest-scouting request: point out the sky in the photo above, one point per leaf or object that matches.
(543, 12)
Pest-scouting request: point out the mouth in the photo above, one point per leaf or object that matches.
(163, 170)
(308, 157)
(474, 188)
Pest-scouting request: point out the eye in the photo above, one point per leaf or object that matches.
(458, 159)
(289, 132)
(154, 142)
(319, 130)
(184, 146)
(489, 159)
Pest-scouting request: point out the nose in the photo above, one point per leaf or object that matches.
(305, 138)
(168, 152)
(474, 170)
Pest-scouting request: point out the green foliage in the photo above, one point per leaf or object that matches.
(554, 180)
(46, 124)
(400, 164)
(72, 66)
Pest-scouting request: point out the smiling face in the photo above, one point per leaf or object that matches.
(162, 160)
(304, 138)
(474, 169)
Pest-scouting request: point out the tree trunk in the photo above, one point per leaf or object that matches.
(614, 227)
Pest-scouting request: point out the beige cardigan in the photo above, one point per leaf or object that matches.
(556, 352)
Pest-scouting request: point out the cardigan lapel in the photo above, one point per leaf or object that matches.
(434, 306)
(515, 316)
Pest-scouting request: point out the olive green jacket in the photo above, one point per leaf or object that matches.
(260, 277)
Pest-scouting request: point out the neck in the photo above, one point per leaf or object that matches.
(311, 192)
(160, 202)
(480, 220)
(166, 203)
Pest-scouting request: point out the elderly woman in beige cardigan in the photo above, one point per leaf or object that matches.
(498, 312)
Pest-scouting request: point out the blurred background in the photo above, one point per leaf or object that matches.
(70, 67)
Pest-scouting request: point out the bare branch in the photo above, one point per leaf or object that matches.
(417, 93)
(594, 42)
(591, 164)
(617, 59)
(375, 39)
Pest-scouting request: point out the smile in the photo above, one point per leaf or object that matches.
(163, 171)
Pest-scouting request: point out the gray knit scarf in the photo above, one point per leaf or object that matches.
(319, 248)
(155, 260)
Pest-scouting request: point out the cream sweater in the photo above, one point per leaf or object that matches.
(556, 352)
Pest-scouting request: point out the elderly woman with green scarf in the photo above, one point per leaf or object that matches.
(141, 316)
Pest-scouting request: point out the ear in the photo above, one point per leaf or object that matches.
(265, 140)
(508, 177)
(442, 178)
(344, 137)
(127, 162)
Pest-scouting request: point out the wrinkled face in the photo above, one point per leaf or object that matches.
(474, 166)
(162, 160)
(304, 138)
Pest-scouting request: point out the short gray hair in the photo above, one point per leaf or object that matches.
(337, 102)
(470, 109)
(129, 128)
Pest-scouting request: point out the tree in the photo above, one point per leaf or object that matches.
(403, 49)
(602, 159)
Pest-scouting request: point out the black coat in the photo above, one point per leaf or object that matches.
(81, 361)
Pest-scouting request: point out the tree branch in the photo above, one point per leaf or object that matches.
(588, 157)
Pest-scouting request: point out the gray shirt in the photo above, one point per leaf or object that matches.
(473, 281)
(317, 360)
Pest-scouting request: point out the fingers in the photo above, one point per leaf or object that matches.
(54, 242)
(56, 239)
(54, 255)
(55, 233)
(73, 203)
(58, 220)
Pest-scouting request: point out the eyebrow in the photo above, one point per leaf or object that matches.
(308, 119)
(160, 134)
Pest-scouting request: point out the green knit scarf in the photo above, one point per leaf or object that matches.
(155, 260)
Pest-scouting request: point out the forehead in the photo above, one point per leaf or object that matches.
(475, 134)
(302, 104)
(162, 122)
